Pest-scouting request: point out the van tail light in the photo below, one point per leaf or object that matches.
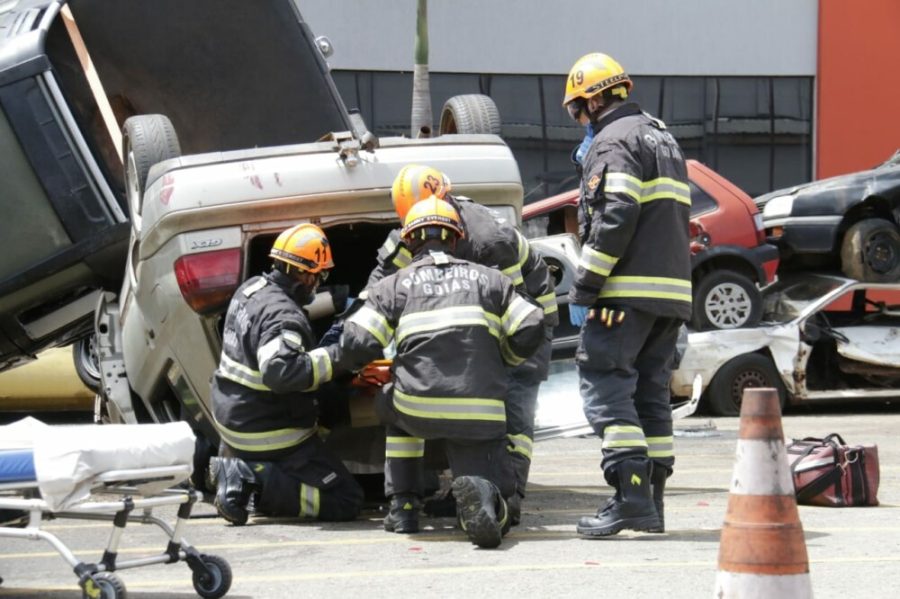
(208, 280)
(760, 228)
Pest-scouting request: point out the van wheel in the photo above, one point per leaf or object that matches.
(470, 113)
(725, 299)
(870, 251)
(747, 371)
(87, 367)
(146, 140)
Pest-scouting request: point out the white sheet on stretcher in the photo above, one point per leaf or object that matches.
(67, 458)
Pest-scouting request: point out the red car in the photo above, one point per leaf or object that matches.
(730, 257)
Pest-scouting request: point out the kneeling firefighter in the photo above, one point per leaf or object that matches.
(456, 325)
(491, 241)
(263, 394)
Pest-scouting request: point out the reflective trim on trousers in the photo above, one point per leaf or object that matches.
(404, 447)
(661, 447)
(521, 444)
(264, 440)
(309, 501)
(619, 436)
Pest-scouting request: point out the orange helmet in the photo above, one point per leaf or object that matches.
(415, 182)
(431, 212)
(593, 73)
(304, 246)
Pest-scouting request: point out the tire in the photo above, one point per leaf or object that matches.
(870, 251)
(743, 372)
(111, 586)
(87, 366)
(218, 584)
(470, 113)
(146, 140)
(725, 299)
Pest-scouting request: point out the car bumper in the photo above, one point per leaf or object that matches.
(804, 235)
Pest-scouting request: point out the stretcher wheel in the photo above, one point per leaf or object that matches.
(217, 582)
(109, 586)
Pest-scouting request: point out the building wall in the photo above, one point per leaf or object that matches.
(858, 85)
(649, 37)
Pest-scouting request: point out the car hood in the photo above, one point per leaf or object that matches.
(229, 74)
(884, 176)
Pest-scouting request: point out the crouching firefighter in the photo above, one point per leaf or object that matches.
(263, 395)
(491, 241)
(456, 325)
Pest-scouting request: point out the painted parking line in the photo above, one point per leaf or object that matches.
(598, 565)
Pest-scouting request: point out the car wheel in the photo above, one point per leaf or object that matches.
(87, 366)
(725, 299)
(146, 140)
(748, 371)
(870, 251)
(470, 113)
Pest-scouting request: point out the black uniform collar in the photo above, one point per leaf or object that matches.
(279, 278)
(624, 110)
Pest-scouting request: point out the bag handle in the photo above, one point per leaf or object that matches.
(832, 477)
(830, 439)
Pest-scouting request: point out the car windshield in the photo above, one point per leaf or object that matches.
(786, 299)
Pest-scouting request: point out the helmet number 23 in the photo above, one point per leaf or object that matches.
(431, 184)
(576, 78)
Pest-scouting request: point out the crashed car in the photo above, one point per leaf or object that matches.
(730, 259)
(851, 221)
(822, 338)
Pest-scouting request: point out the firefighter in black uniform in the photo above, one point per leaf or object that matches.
(491, 241)
(631, 292)
(263, 394)
(456, 325)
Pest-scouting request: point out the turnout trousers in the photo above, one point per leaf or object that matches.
(307, 482)
(624, 374)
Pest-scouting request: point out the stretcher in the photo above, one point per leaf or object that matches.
(114, 473)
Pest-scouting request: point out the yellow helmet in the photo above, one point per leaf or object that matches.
(415, 182)
(431, 212)
(304, 246)
(593, 73)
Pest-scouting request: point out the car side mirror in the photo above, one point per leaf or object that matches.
(811, 332)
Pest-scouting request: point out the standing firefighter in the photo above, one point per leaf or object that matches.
(632, 290)
(456, 325)
(490, 241)
(262, 394)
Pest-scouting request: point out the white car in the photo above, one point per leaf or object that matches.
(822, 338)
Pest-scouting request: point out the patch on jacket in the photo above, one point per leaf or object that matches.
(593, 183)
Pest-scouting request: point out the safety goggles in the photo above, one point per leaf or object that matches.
(576, 107)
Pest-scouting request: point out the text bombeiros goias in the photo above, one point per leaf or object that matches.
(443, 281)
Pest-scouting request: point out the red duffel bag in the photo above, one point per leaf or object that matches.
(830, 473)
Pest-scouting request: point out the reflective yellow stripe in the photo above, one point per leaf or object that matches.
(623, 436)
(518, 310)
(404, 447)
(647, 191)
(450, 408)
(309, 501)
(403, 258)
(660, 447)
(596, 262)
(432, 320)
(651, 287)
(548, 301)
(321, 367)
(251, 289)
(373, 322)
(264, 440)
(514, 272)
(242, 375)
(520, 444)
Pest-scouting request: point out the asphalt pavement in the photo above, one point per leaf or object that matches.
(853, 552)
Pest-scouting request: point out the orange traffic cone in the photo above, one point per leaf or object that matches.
(762, 552)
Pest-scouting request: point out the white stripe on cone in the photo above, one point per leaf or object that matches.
(761, 468)
(732, 585)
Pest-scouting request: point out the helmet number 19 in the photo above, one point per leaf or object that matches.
(576, 78)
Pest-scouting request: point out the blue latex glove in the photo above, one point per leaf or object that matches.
(577, 314)
(585, 144)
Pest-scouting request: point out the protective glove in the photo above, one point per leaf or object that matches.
(333, 334)
(577, 314)
(608, 316)
(581, 152)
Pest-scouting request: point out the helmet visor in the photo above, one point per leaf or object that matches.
(576, 107)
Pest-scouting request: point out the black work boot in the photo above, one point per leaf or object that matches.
(631, 508)
(235, 484)
(658, 483)
(514, 505)
(404, 515)
(481, 511)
